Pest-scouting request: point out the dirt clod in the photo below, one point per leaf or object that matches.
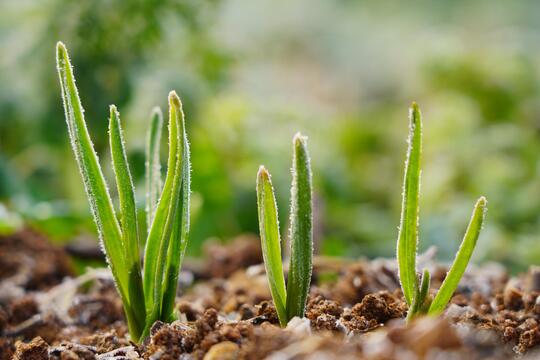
(225, 350)
(190, 311)
(381, 307)
(22, 309)
(72, 351)
(513, 297)
(324, 314)
(37, 349)
(266, 312)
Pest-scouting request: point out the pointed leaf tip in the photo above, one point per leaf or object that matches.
(263, 173)
(156, 110)
(482, 201)
(414, 113)
(174, 100)
(62, 57)
(299, 139)
(61, 50)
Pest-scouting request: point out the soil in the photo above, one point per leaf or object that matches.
(355, 311)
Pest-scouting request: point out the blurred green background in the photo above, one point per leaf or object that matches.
(251, 74)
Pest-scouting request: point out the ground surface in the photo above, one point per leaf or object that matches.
(355, 311)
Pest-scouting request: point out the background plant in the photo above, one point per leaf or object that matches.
(246, 84)
(290, 301)
(417, 295)
(151, 298)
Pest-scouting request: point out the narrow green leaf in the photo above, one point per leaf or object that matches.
(124, 182)
(408, 230)
(424, 286)
(128, 215)
(461, 261)
(179, 237)
(97, 193)
(271, 242)
(162, 226)
(158, 224)
(420, 296)
(153, 165)
(301, 230)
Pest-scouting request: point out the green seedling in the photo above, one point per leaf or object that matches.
(417, 295)
(149, 297)
(290, 301)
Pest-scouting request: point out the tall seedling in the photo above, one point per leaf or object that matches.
(417, 293)
(149, 298)
(289, 301)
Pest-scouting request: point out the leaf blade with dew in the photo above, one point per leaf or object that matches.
(271, 242)
(94, 183)
(408, 230)
(301, 230)
(153, 165)
(128, 214)
(162, 226)
(158, 223)
(461, 260)
(180, 234)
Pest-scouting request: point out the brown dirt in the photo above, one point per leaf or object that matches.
(358, 315)
(28, 261)
(221, 262)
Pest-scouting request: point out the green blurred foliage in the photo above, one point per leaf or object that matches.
(251, 74)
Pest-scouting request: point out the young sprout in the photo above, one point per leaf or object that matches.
(417, 295)
(290, 301)
(149, 298)
(153, 165)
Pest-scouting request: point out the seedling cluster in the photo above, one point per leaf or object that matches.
(148, 291)
(290, 301)
(417, 295)
(150, 297)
